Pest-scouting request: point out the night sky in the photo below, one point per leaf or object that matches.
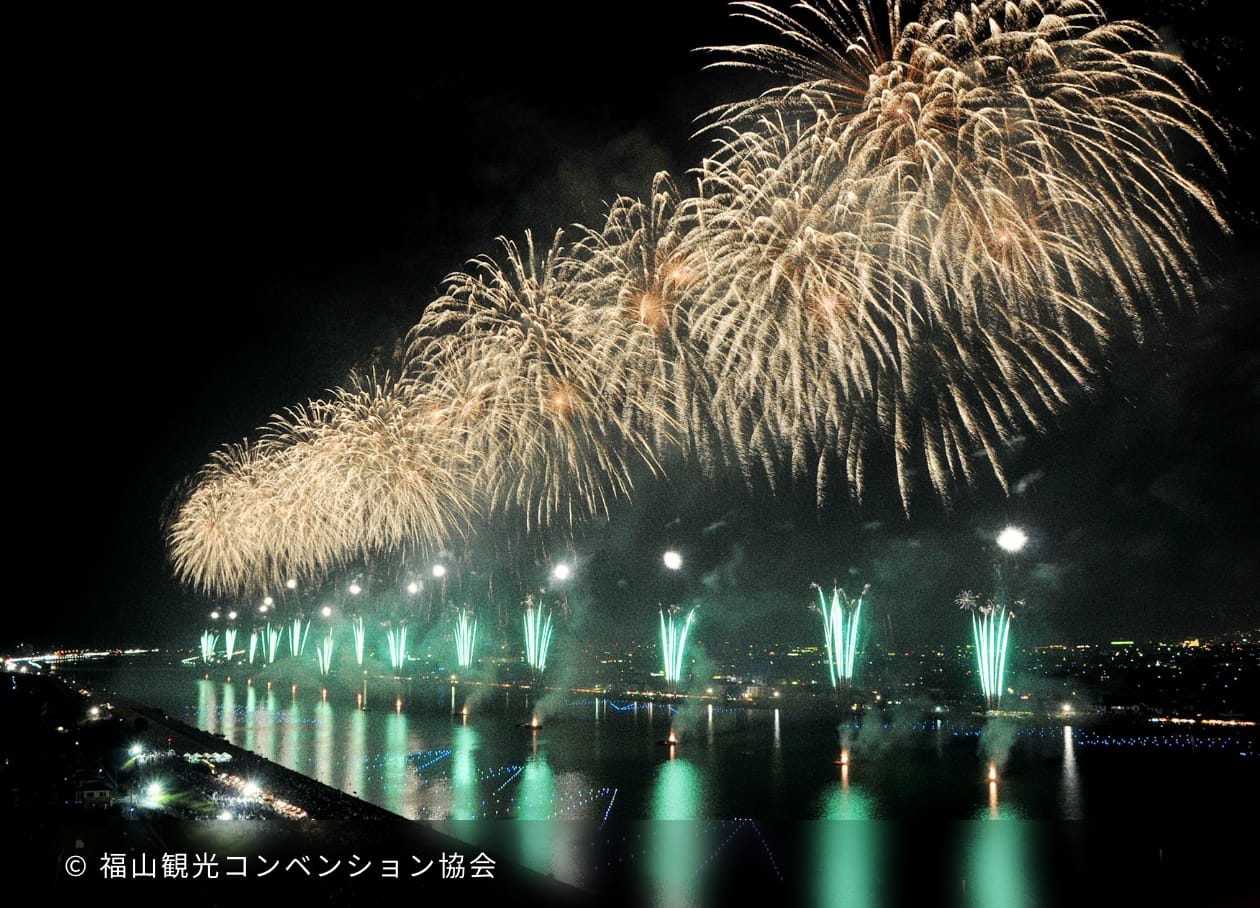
(223, 221)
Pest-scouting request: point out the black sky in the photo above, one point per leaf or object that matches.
(222, 217)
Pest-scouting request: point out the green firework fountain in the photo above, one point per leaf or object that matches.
(840, 632)
(272, 641)
(229, 641)
(253, 645)
(323, 653)
(538, 632)
(359, 638)
(397, 637)
(209, 640)
(465, 638)
(674, 641)
(297, 636)
(990, 633)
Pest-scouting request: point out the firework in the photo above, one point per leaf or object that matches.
(538, 632)
(297, 635)
(365, 470)
(323, 652)
(673, 641)
(396, 636)
(990, 632)
(465, 637)
(840, 632)
(924, 239)
(229, 642)
(360, 635)
(518, 362)
(271, 639)
(932, 230)
(253, 644)
(209, 640)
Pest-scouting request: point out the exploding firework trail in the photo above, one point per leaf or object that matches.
(229, 642)
(674, 641)
(465, 637)
(840, 632)
(990, 632)
(924, 240)
(538, 632)
(396, 636)
(253, 645)
(323, 653)
(209, 640)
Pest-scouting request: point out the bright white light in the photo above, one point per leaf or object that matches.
(267, 600)
(355, 589)
(562, 572)
(673, 560)
(263, 607)
(215, 615)
(250, 790)
(225, 815)
(439, 570)
(413, 588)
(154, 791)
(231, 616)
(291, 583)
(134, 750)
(326, 611)
(1012, 539)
